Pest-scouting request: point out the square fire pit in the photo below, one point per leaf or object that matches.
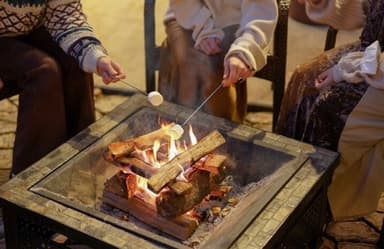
(62, 193)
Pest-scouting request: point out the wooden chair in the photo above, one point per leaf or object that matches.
(274, 71)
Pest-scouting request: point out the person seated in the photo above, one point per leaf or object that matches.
(47, 54)
(213, 42)
(336, 101)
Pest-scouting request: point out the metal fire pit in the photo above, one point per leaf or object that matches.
(62, 192)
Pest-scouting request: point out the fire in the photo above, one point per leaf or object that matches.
(192, 136)
(172, 149)
(181, 176)
(153, 157)
(156, 147)
(143, 192)
(175, 147)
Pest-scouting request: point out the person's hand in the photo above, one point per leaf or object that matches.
(109, 70)
(324, 79)
(1, 84)
(209, 46)
(235, 70)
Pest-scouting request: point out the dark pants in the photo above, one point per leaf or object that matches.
(55, 95)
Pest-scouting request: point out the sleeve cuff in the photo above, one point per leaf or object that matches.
(254, 56)
(337, 73)
(89, 63)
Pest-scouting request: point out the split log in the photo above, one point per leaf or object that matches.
(181, 227)
(131, 185)
(217, 165)
(118, 149)
(117, 184)
(212, 164)
(137, 166)
(170, 204)
(172, 169)
(180, 187)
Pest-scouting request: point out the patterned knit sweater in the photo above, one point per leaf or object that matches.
(64, 20)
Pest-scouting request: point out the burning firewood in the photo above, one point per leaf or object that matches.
(135, 165)
(115, 194)
(213, 163)
(179, 185)
(172, 169)
(121, 148)
(171, 203)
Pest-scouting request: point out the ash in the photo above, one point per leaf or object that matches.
(227, 205)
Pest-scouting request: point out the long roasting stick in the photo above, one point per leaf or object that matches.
(239, 81)
(202, 104)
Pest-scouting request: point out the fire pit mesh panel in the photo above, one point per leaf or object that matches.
(79, 182)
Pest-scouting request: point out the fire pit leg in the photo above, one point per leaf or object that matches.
(10, 228)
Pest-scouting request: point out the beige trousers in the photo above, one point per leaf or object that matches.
(359, 178)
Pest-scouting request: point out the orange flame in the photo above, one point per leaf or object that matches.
(192, 136)
(181, 176)
(175, 147)
(143, 192)
(150, 156)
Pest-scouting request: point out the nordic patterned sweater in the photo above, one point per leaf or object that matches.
(63, 19)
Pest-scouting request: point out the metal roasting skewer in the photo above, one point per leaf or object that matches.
(132, 86)
(240, 80)
(202, 104)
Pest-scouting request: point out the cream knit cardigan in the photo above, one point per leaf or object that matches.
(206, 18)
(353, 67)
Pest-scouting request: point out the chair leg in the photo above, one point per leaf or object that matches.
(278, 93)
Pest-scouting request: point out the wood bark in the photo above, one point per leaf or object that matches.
(115, 194)
(171, 204)
(201, 182)
(136, 165)
(172, 169)
(121, 148)
(180, 187)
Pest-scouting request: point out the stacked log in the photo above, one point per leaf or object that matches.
(202, 171)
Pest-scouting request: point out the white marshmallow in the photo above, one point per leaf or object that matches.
(176, 131)
(155, 98)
